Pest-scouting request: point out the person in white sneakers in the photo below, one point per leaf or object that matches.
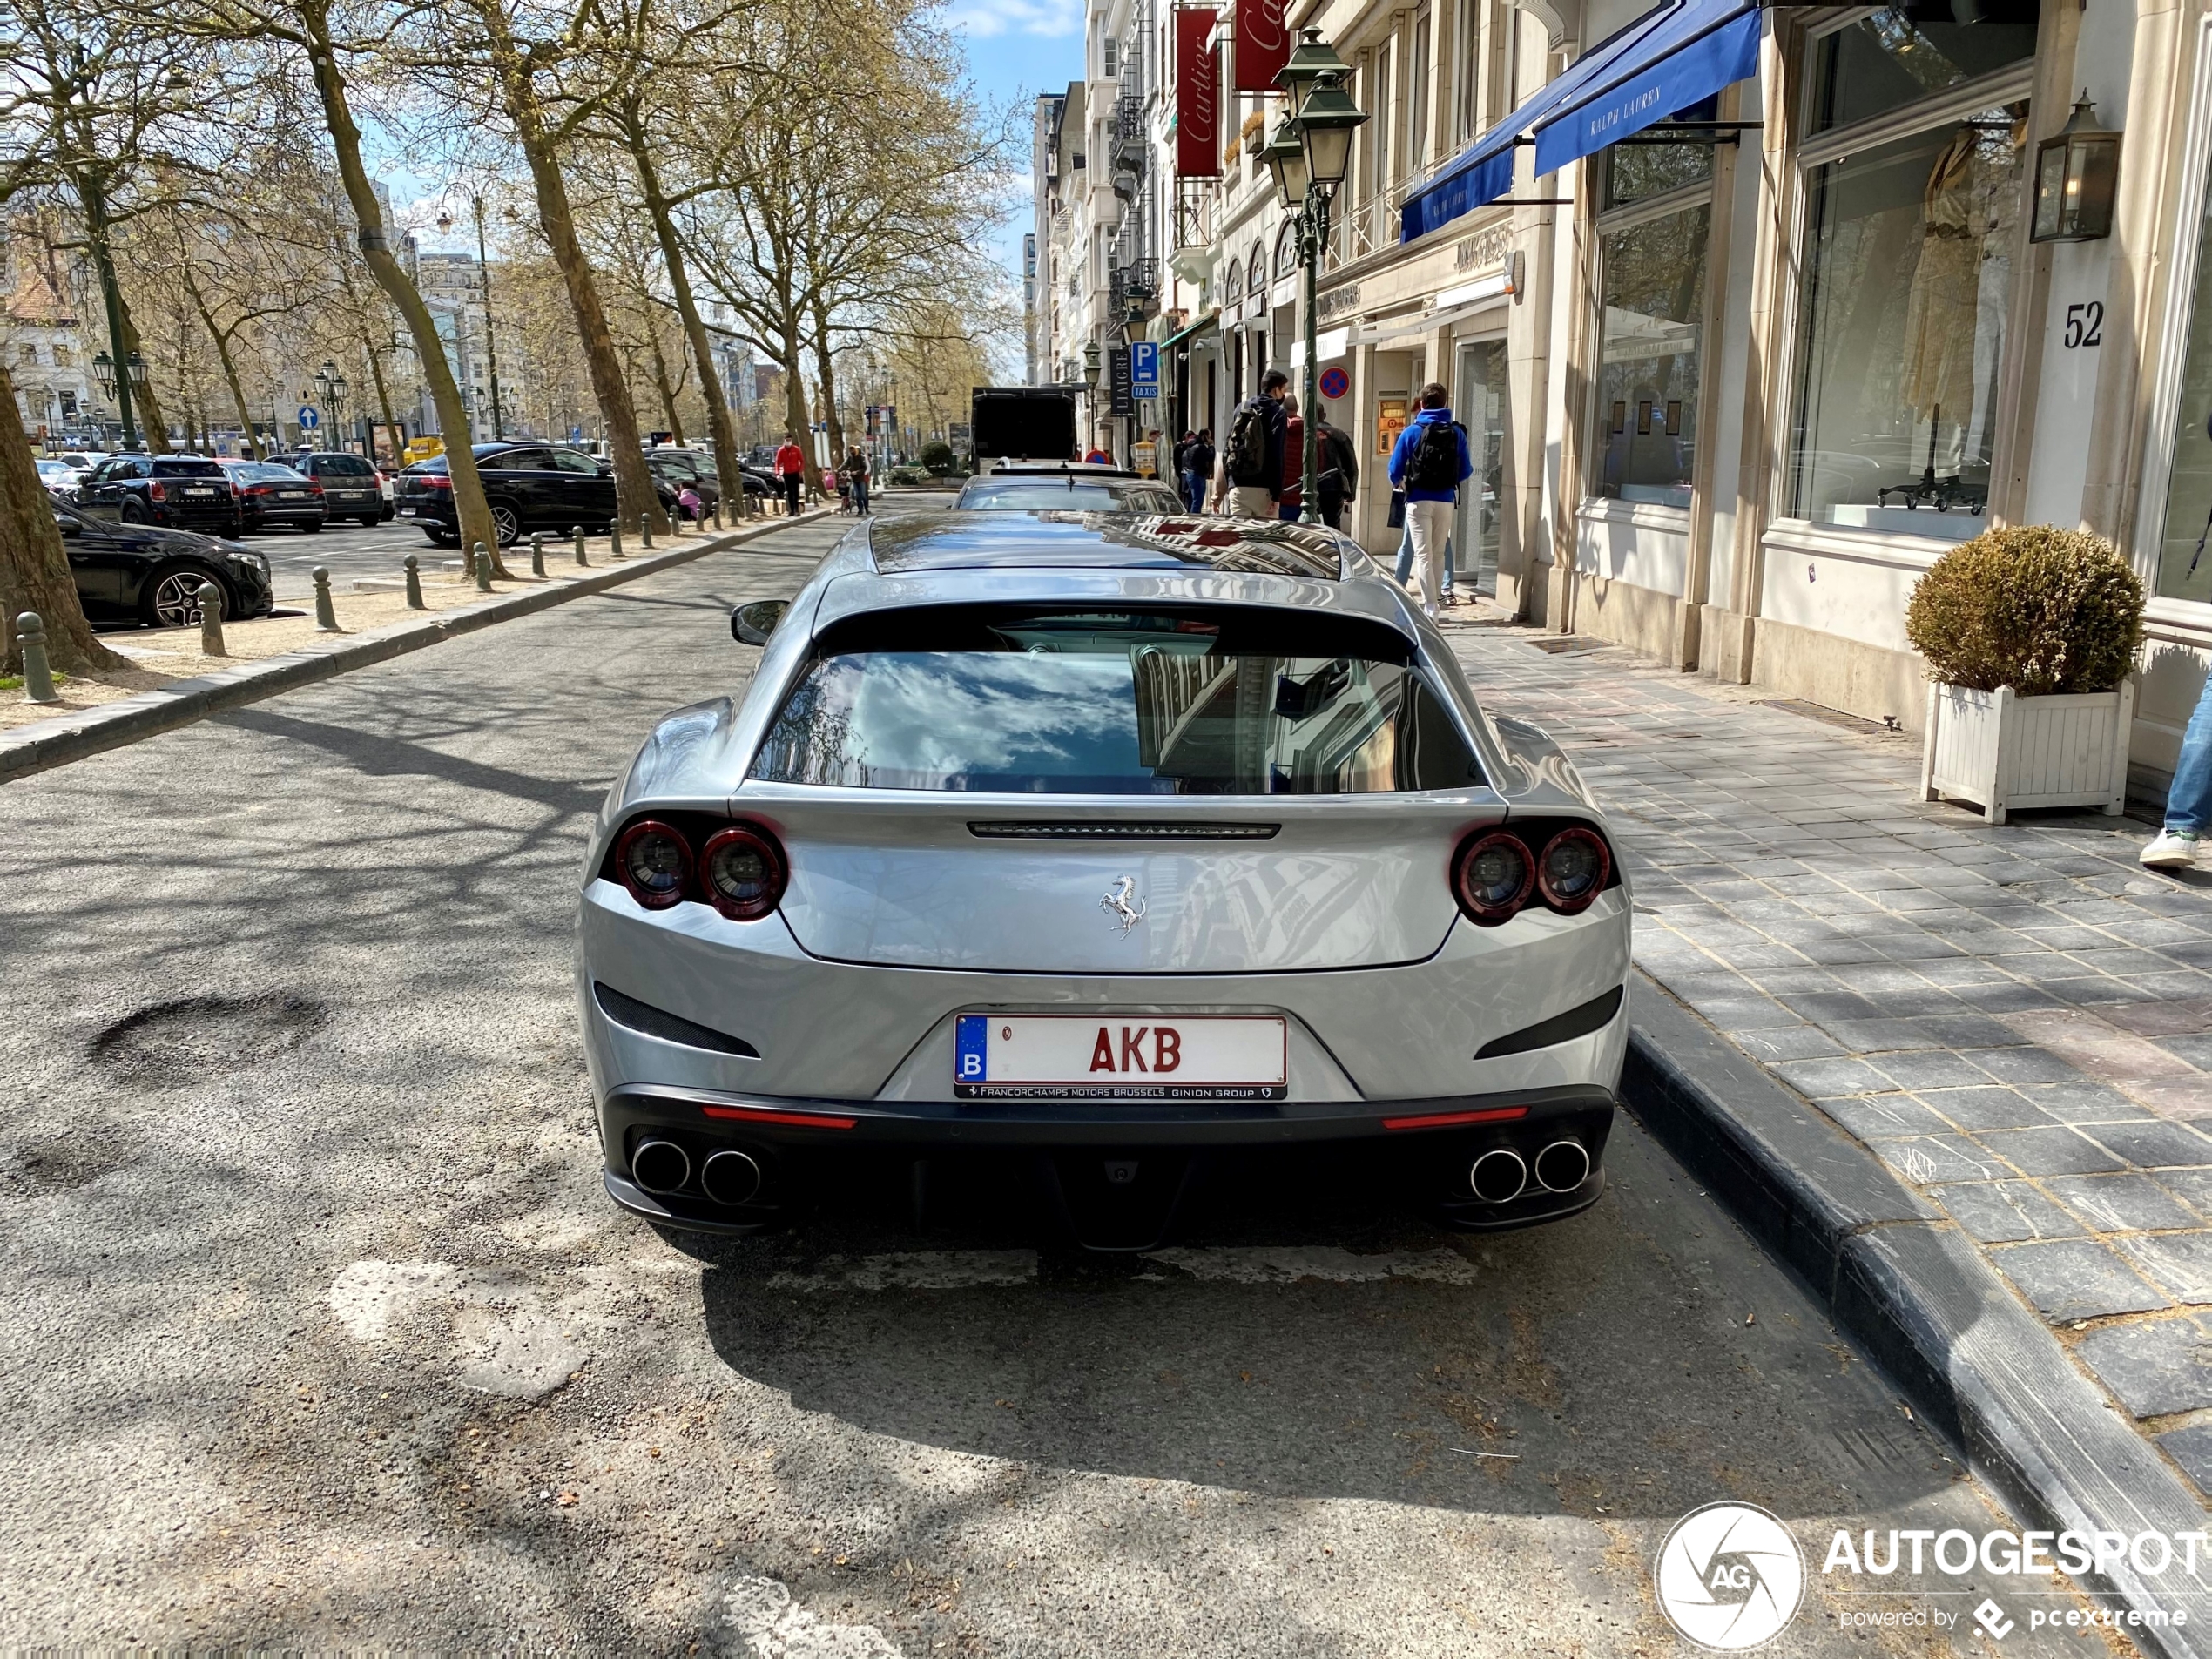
(2188, 802)
(1430, 463)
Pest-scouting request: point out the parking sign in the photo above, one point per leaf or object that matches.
(1144, 368)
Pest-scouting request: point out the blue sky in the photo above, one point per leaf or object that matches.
(1017, 48)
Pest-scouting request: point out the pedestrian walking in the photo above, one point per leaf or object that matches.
(2188, 799)
(791, 473)
(1197, 469)
(1290, 498)
(1406, 561)
(1339, 474)
(1429, 464)
(856, 472)
(1254, 451)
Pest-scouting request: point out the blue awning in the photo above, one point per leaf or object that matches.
(1670, 57)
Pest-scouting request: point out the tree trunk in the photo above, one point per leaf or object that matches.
(796, 418)
(230, 365)
(34, 564)
(661, 384)
(634, 488)
(392, 277)
(828, 380)
(153, 425)
(384, 405)
(679, 283)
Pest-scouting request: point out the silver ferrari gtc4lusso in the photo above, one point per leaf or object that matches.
(1105, 840)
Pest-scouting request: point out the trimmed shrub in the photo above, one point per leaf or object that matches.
(938, 456)
(2041, 610)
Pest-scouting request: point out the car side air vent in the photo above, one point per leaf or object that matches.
(1592, 1016)
(1186, 831)
(669, 1028)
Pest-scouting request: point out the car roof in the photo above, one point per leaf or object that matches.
(1087, 468)
(1040, 540)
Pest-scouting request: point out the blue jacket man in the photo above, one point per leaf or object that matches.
(1429, 496)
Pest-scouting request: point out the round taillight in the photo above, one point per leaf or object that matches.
(743, 869)
(654, 862)
(1493, 877)
(1573, 870)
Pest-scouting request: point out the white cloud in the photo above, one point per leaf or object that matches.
(985, 18)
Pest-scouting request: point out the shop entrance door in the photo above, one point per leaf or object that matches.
(1478, 404)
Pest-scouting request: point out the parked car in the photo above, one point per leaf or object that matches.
(58, 477)
(272, 494)
(351, 487)
(678, 468)
(178, 492)
(135, 573)
(1074, 493)
(528, 487)
(1106, 840)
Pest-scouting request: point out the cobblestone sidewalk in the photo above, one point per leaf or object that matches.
(2017, 1020)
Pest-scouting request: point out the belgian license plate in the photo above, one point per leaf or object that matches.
(195, 489)
(407, 512)
(1055, 1057)
(292, 495)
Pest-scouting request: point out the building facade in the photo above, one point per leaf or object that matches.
(1771, 334)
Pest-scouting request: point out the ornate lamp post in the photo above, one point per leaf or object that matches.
(333, 389)
(1309, 156)
(483, 275)
(1090, 398)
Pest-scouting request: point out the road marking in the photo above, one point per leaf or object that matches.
(772, 1627)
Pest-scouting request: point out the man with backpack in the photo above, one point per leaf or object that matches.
(1430, 463)
(1253, 455)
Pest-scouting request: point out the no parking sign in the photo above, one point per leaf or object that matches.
(1334, 383)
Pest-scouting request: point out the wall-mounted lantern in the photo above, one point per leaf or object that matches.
(2077, 176)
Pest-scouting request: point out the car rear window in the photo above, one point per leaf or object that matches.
(267, 472)
(342, 466)
(1083, 496)
(186, 469)
(435, 463)
(1211, 701)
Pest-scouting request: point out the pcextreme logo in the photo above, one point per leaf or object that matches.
(1730, 1576)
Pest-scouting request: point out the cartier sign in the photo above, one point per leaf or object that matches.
(1198, 96)
(1263, 44)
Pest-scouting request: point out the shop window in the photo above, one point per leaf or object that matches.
(1653, 272)
(1903, 53)
(1907, 268)
(2184, 565)
(1636, 169)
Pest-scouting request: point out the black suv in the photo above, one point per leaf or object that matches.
(178, 492)
(130, 573)
(528, 487)
(350, 486)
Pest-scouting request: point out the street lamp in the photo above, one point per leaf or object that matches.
(1313, 59)
(331, 387)
(1309, 156)
(103, 372)
(484, 274)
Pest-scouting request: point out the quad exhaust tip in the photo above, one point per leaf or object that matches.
(1562, 1166)
(729, 1176)
(1498, 1175)
(661, 1166)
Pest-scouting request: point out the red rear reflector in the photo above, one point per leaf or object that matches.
(763, 1115)
(1446, 1120)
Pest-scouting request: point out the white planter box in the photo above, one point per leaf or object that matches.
(2007, 752)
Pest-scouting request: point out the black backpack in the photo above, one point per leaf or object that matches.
(1434, 461)
(1247, 451)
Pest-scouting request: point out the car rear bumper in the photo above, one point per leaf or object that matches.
(802, 1144)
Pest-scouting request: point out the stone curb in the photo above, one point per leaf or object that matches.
(56, 742)
(1901, 1281)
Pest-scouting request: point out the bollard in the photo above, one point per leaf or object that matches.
(326, 618)
(414, 584)
(484, 569)
(210, 620)
(645, 531)
(717, 512)
(537, 553)
(578, 533)
(614, 539)
(30, 640)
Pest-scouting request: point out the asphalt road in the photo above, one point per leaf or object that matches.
(348, 549)
(320, 1332)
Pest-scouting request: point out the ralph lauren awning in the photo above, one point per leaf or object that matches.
(1669, 59)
